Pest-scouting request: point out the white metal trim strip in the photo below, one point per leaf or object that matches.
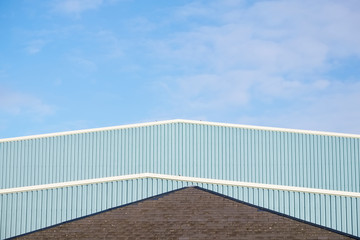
(180, 178)
(182, 121)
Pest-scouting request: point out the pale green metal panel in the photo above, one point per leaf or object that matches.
(187, 149)
(28, 211)
(196, 150)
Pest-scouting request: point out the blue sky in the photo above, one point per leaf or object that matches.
(77, 64)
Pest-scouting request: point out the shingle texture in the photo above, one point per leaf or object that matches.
(190, 213)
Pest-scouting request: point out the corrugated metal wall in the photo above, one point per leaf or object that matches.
(196, 150)
(28, 211)
(189, 150)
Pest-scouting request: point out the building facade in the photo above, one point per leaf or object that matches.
(52, 178)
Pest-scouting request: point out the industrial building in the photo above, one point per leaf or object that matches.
(312, 177)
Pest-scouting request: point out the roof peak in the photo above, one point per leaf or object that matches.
(154, 123)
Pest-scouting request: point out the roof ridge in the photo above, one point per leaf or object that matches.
(154, 123)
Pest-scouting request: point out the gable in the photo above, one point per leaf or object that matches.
(191, 149)
(188, 213)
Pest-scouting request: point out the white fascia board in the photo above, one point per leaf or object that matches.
(72, 183)
(182, 121)
(184, 179)
(233, 125)
(86, 131)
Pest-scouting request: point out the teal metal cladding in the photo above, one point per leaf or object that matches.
(195, 150)
(28, 211)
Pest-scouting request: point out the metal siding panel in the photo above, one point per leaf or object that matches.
(273, 157)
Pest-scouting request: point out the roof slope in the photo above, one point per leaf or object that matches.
(187, 213)
(182, 121)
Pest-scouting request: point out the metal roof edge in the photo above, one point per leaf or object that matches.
(180, 178)
(277, 129)
(125, 126)
(233, 125)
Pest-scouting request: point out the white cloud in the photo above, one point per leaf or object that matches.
(110, 43)
(263, 52)
(35, 46)
(17, 103)
(141, 24)
(272, 35)
(335, 110)
(76, 6)
(208, 91)
(84, 64)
